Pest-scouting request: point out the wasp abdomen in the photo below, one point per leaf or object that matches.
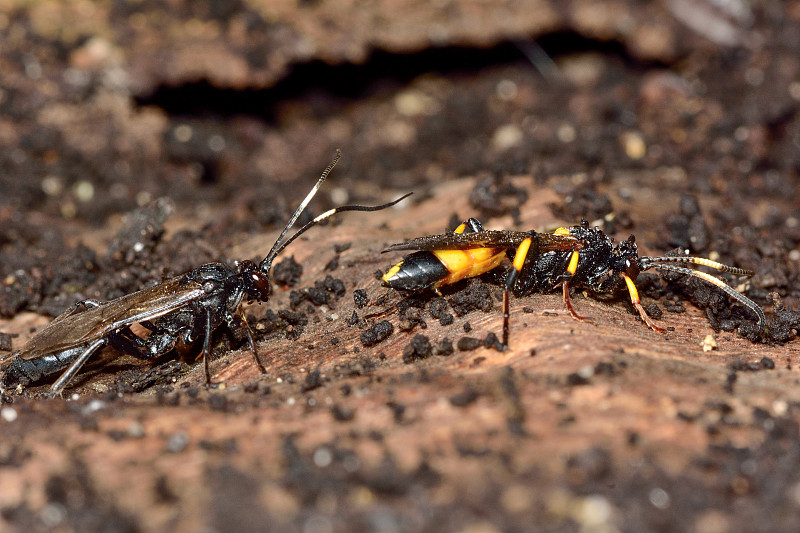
(418, 271)
(433, 269)
(25, 371)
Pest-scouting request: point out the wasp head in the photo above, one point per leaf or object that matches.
(629, 258)
(255, 282)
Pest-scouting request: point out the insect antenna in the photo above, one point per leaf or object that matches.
(660, 263)
(276, 248)
(280, 244)
(696, 261)
(267, 262)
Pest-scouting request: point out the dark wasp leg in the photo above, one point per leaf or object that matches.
(634, 293)
(568, 304)
(471, 225)
(207, 347)
(65, 378)
(572, 267)
(238, 321)
(519, 261)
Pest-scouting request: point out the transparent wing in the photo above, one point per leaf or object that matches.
(75, 327)
(487, 239)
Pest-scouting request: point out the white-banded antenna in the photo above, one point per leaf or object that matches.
(265, 265)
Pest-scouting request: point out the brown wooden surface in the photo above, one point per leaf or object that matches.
(183, 461)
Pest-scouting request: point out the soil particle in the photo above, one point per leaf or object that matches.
(688, 229)
(342, 414)
(314, 380)
(494, 196)
(5, 342)
(491, 341)
(320, 294)
(653, 310)
(410, 318)
(467, 344)
(783, 325)
(287, 272)
(352, 320)
(584, 203)
(444, 347)
(476, 296)
(342, 247)
(419, 348)
(376, 333)
(331, 265)
(360, 298)
(218, 402)
(398, 410)
(465, 398)
(141, 232)
(438, 307)
(295, 323)
(438, 310)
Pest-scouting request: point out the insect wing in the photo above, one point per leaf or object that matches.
(487, 239)
(552, 242)
(462, 241)
(75, 327)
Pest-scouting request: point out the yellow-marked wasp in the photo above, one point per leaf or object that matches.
(578, 256)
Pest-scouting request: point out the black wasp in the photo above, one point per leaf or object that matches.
(578, 256)
(177, 312)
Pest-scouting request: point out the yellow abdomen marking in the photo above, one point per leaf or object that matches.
(561, 231)
(391, 272)
(468, 263)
